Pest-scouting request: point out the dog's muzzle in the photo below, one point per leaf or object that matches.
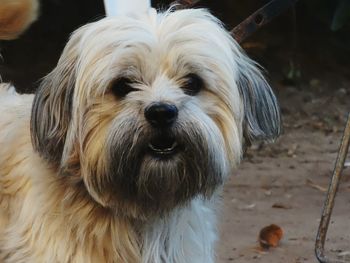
(160, 161)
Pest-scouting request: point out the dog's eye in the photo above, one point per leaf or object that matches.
(121, 87)
(193, 84)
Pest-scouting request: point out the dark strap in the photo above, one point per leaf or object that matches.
(183, 4)
(260, 18)
(251, 24)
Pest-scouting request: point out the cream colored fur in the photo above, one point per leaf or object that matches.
(60, 201)
(42, 220)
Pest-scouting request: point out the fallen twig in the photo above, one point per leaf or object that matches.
(316, 186)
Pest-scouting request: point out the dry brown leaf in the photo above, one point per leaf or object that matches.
(292, 151)
(281, 206)
(270, 236)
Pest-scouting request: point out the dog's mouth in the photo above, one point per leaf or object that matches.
(163, 146)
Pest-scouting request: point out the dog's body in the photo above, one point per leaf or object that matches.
(43, 219)
(121, 154)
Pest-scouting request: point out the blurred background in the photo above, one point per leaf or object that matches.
(306, 54)
(315, 32)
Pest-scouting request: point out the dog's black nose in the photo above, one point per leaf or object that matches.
(161, 114)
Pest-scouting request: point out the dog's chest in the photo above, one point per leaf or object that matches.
(48, 236)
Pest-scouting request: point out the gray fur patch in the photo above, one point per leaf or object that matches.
(262, 118)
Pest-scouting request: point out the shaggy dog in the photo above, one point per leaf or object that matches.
(121, 154)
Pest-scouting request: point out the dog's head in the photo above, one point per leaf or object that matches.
(150, 112)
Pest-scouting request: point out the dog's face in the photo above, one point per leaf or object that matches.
(150, 112)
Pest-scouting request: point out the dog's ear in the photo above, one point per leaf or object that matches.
(262, 119)
(52, 105)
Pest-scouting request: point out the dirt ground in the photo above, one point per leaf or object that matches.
(285, 183)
